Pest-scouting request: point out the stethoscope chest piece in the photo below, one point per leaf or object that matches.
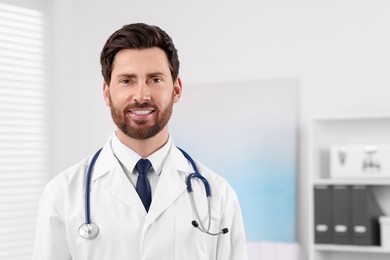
(89, 231)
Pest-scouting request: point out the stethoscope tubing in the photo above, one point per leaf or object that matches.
(88, 187)
(196, 174)
(90, 230)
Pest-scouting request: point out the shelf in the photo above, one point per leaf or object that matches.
(360, 129)
(351, 248)
(347, 118)
(360, 181)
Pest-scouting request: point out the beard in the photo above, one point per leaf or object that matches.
(140, 130)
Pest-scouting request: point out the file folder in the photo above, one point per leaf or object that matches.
(322, 214)
(365, 217)
(341, 201)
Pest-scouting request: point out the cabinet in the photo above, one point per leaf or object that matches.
(358, 130)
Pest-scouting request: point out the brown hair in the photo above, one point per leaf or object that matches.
(138, 36)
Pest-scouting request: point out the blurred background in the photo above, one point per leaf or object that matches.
(331, 57)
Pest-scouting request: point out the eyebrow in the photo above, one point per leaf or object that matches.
(154, 74)
(127, 75)
(148, 75)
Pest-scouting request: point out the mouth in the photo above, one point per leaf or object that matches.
(141, 114)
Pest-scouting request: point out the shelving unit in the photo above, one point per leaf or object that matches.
(354, 249)
(357, 130)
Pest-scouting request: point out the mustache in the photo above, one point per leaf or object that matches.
(139, 105)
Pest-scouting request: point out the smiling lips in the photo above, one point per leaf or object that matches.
(141, 114)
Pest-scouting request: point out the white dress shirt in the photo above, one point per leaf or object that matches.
(128, 158)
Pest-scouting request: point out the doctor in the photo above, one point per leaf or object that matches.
(142, 208)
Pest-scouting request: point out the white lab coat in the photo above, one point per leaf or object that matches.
(126, 231)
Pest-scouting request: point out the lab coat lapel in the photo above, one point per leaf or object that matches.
(109, 172)
(117, 183)
(171, 184)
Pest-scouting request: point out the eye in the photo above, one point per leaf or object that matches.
(155, 80)
(126, 81)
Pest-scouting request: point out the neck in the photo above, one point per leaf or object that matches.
(144, 147)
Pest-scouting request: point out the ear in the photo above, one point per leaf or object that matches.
(106, 93)
(177, 89)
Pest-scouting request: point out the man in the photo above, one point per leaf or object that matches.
(138, 195)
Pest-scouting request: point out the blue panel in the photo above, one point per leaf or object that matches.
(252, 142)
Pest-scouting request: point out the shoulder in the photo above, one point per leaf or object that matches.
(71, 176)
(219, 186)
(72, 172)
(215, 179)
(61, 189)
(76, 173)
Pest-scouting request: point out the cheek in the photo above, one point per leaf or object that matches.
(119, 99)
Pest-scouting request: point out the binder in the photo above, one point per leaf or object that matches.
(322, 214)
(365, 217)
(341, 201)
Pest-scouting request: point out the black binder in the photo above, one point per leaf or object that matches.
(365, 217)
(341, 201)
(322, 214)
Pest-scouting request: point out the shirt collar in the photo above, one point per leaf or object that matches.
(129, 158)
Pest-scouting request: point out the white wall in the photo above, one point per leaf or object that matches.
(339, 50)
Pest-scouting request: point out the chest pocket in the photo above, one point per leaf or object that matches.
(193, 244)
(190, 242)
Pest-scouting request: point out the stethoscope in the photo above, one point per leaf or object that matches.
(90, 230)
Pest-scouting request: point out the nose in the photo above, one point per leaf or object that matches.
(142, 93)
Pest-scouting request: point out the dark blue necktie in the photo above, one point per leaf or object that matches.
(143, 185)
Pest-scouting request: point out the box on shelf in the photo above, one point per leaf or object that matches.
(384, 222)
(360, 161)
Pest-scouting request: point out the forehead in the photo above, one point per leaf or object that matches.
(144, 60)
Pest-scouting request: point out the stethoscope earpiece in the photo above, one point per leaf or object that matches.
(222, 232)
(195, 223)
(225, 230)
